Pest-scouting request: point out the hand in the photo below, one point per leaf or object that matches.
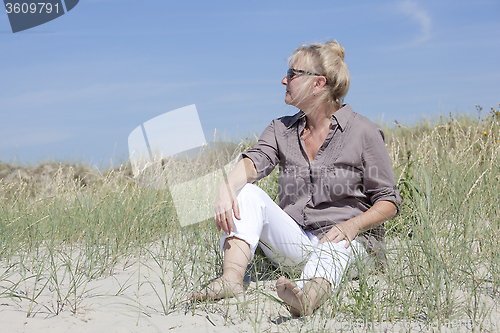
(343, 231)
(225, 205)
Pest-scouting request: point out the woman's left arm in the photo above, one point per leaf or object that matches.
(380, 212)
(379, 185)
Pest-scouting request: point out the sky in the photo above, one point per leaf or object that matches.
(74, 88)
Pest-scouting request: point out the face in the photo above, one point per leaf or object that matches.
(295, 94)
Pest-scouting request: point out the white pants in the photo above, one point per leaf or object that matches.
(285, 243)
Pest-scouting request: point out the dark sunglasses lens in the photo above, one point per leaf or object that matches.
(290, 73)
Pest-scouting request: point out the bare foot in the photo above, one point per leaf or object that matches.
(218, 289)
(293, 296)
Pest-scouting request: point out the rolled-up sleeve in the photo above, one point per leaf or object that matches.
(265, 154)
(378, 178)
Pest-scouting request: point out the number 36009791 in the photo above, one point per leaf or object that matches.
(25, 8)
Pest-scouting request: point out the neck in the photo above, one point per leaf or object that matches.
(319, 118)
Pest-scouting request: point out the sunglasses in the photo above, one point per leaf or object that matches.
(291, 73)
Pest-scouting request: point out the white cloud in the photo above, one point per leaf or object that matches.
(420, 16)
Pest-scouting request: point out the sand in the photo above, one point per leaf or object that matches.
(126, 301)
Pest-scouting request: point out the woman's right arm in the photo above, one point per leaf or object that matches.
(263, 156)
(226, 203)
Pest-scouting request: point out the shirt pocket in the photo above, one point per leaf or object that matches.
(339, 182)
(293, 184)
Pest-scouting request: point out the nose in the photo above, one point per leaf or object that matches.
(284, 81)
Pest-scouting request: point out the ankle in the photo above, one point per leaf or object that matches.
(232, 278)
(233, 275)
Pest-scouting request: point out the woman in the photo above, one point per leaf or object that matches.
(336, 188)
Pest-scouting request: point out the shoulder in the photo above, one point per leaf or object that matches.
(284, 124)
(288, 121)
(360, 125)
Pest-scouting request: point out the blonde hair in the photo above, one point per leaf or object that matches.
(326, 59)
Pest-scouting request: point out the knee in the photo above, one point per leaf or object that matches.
(248, 189)
(250, 192)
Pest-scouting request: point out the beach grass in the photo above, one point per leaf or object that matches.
(63, 230)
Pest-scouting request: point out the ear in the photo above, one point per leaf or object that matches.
(320, 82)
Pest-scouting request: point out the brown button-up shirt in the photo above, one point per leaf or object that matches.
(351, 172)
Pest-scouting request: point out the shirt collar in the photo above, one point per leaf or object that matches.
(340, 117)
(296, 117)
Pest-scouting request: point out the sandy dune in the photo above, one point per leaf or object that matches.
(126, 301)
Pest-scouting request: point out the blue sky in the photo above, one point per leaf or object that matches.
(74, 88)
